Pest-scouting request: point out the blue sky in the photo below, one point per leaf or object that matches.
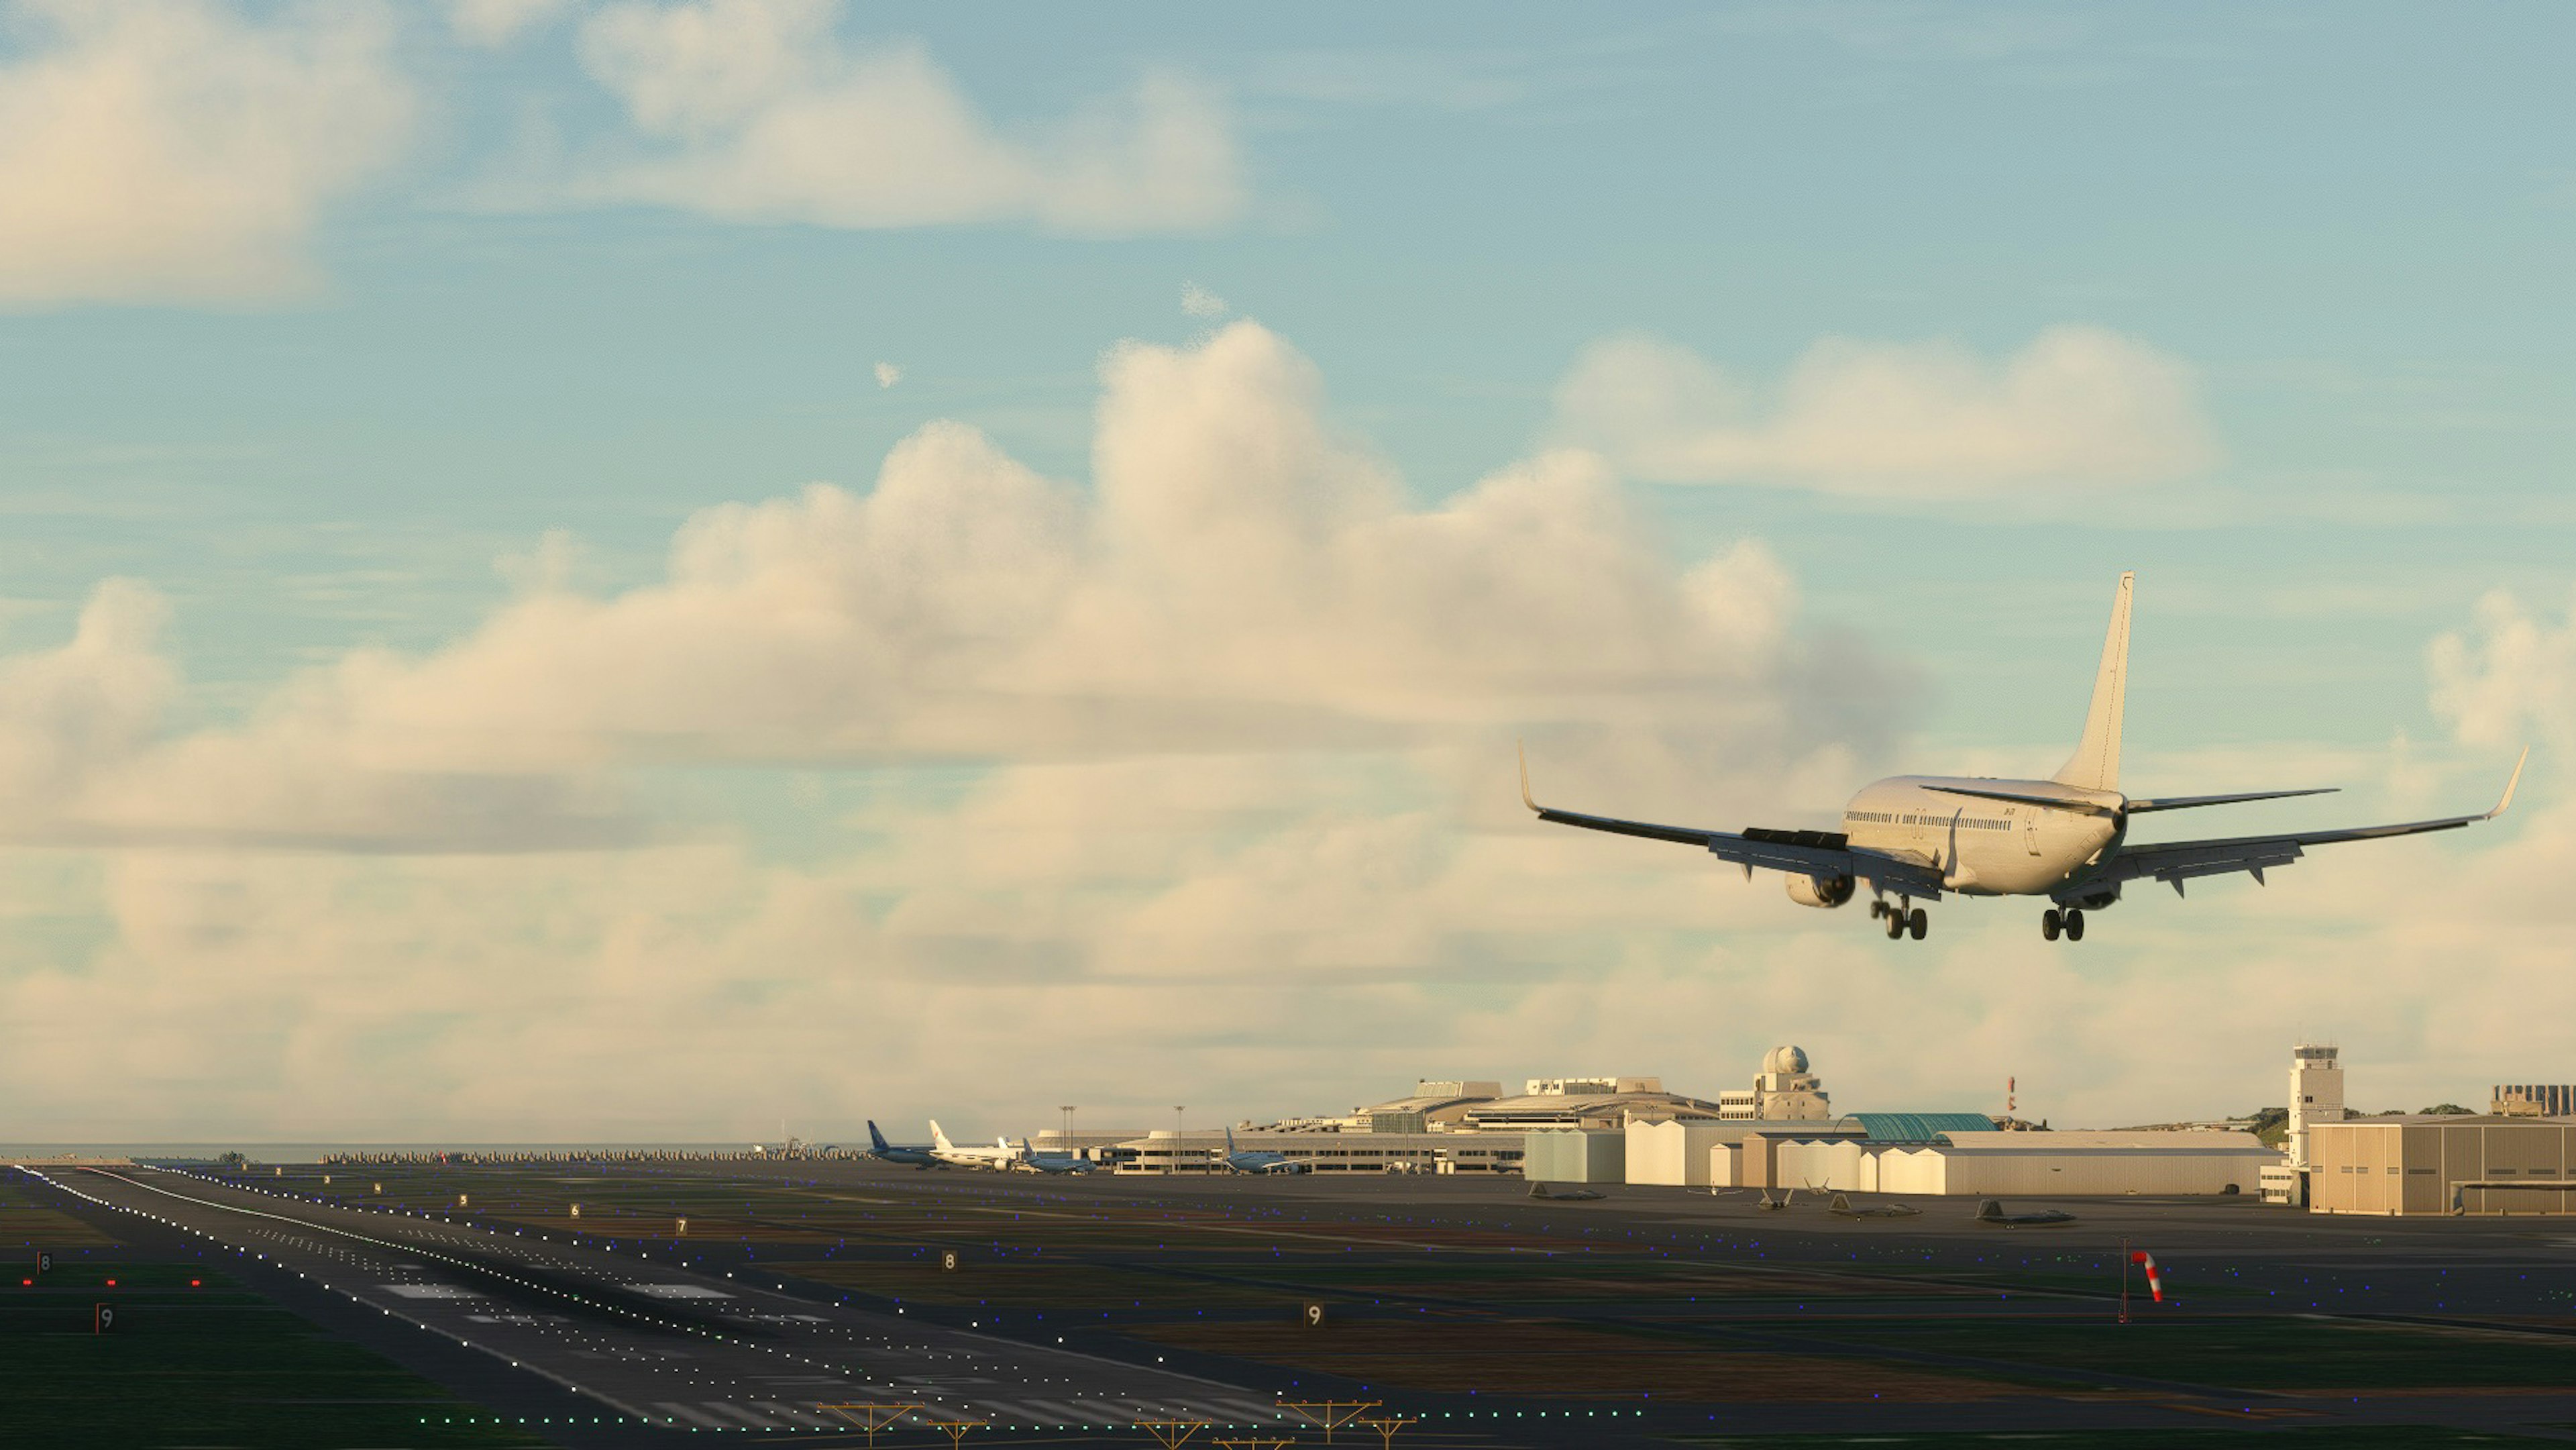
(356, 307)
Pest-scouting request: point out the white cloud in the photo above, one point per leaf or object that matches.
(2076, 407)
(1198, 301)
(179, 152)
(758, 112)
(888, 375)
(1243, 717)
(1240, 576)
(2510, 680)
(496, 23)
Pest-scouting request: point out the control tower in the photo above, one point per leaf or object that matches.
(2316, 1095)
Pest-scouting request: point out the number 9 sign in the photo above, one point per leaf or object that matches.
(1313, 1315)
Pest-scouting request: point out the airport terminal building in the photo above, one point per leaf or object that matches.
(1779, 1133)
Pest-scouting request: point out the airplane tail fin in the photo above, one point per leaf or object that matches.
(2095, 765)
(1229, 1139)
(876, 1139)
(939, 1137)
(1990, 1209)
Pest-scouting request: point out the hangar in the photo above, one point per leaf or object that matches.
(1990, 1163)
(2442, 1163)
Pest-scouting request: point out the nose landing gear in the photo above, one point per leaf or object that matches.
(2070, 921)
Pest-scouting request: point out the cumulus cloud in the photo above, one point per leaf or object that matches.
(2510, 678)
(758, 112)
(888, 375)
(1239, 575)
(180, 152)
(2077, 406)
(1238, 716)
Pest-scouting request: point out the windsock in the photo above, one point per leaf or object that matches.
(2155, 1280)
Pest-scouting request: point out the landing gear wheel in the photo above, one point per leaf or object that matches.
(1918, 924)
(1895, 925)
(2049, 923)
(1877, 909)
(2074, 924)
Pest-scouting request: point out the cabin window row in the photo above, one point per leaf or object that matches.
(1972, 823)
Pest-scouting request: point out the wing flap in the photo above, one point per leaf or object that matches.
(2179, 861)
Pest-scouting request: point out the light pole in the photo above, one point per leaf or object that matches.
(1067, 1144)
(1177, 1110)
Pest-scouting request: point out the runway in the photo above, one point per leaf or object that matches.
(654, 1344)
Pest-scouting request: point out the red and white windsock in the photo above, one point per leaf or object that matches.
(2155, 1280)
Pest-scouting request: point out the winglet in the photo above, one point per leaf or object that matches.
(2515, 780)
(1525, 790)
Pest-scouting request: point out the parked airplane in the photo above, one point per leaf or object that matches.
(1255, 1160)
(1841, 1207)
(902, 1155)
(1992, 1212)
(1036, 1162)
(2064, 838)
(1000, 1156)
(1562, 1193)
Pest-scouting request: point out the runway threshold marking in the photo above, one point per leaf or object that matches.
(618, 1405)
(622, 1407)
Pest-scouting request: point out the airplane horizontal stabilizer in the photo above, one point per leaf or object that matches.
(2188, 802)
(2029, 798)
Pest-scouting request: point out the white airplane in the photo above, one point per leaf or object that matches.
(1001, 1156)
(2063, 838)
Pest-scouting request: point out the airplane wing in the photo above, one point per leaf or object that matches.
(2175, 862)
(1800, 853)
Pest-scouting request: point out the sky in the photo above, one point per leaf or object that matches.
(670, 570)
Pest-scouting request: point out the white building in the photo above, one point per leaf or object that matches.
(1784, 1090)
(1676, 1151)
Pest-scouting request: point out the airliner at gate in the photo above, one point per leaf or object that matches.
(2064, 838)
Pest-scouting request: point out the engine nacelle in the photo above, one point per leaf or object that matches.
(1825, 891)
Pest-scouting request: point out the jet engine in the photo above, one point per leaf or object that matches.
(1827, 891)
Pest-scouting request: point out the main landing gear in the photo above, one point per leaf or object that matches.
(1901, 919)
(2069, 921)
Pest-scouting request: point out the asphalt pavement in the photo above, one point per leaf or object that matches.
(655, 1345)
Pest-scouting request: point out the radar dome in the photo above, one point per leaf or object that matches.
(1786, 1060)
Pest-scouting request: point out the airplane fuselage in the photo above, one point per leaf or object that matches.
(1986, 847)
